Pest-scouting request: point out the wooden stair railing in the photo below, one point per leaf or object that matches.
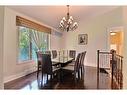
(115, 65)
(116, 68)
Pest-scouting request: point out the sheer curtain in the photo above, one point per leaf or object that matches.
(37, 38)
(38, 32)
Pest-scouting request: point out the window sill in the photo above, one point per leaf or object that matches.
(26, 62)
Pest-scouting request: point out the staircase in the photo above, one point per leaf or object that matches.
(109, 70)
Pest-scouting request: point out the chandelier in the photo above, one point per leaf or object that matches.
(67, 23)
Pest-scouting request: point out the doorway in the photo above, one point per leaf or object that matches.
(116, 40)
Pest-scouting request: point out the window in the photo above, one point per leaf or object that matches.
(27, 47)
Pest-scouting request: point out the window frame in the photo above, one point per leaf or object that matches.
(30, 53)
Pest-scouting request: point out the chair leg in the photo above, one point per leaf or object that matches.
(81, 71)
(42, 79)
(79, 74)
(59, 76)
(47, 77)
(75, 77)
(51, 77)
(37, 73)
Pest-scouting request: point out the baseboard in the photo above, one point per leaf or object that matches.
(26, 72)
(124, 81)
(16, 76)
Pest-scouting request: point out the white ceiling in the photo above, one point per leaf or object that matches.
(51, 15)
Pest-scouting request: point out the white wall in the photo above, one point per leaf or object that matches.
(125, 48)
(13, 70)
(96, 29)
(55, 40)
(1, 45)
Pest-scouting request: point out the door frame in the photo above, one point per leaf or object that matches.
(117, 28)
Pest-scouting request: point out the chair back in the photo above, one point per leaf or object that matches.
(77, 62)
(82, 58)
(39, 57)
(46, 64)
(54, 53)
(48, 52)
(72, 53)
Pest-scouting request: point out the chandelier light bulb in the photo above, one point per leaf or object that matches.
(75, 23)
(64, 19)
(71, 17)
(69, 20)
(62, 22)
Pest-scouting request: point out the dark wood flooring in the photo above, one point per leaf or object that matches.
(89, 81)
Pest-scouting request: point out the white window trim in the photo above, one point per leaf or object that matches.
(29, 60)
(25, 62)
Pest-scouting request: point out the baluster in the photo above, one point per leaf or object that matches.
(121, 79)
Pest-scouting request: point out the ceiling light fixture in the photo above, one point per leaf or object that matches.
(67, 23)
(112, 33)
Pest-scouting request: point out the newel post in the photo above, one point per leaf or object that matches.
(112, 67)
(98, 70)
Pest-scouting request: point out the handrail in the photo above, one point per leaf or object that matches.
(119, 55)
(116, 67)
(105, 52)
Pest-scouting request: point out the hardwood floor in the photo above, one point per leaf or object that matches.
(89, 81)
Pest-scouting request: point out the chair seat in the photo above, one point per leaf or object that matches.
(69, 67)
(54, 68)
(72, 63)
(54, 64)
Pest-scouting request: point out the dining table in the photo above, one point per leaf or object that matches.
(61, 62)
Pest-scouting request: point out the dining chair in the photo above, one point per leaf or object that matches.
(54, 53)
(39, 62)
(47, 52)
(74, 69)
(47, 67)
(82, 69)
(72, 54)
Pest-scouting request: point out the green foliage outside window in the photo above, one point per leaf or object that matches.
(27, 48)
